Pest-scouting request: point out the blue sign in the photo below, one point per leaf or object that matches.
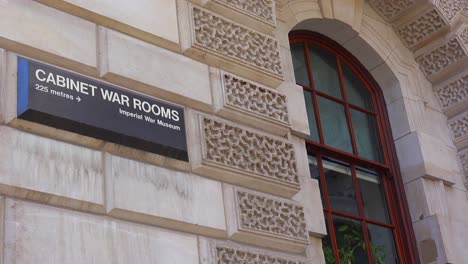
(54, 97)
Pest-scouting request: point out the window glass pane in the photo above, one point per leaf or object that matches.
(367, 135)
(315, 174)
(340, 187)
(327, 246)
(299, 64)
(324, 71)
(355, 90)
(373, 195)
(350, 240)
(334, 124)
(311, 116)
(382, 244)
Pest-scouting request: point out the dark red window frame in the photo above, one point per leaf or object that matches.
(389, 167)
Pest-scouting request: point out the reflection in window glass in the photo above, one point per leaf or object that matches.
(373, 195)
(382, 244)
(340, 187)
(327, 246)
(324, 71)
(334, 124)
(350, 240)
(314, 136)
(315, 173)
(300, 65)
(355, 90)
(367, 135)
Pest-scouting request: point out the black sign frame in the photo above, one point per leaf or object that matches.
(69, 101)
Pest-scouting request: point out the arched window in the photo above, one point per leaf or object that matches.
(351, 154)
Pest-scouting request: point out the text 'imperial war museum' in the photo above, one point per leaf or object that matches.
(233, 131)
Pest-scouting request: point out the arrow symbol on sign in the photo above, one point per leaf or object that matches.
(78, 99)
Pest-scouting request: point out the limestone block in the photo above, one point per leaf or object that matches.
(421, 155)
(302, 158)
(265, 220)
(145, 156)
(388, 82)
(453, 94)
(457, 204)
(309, 198)
(426, 197)
(362, 50)
(315, 251)
(42, 234)
(155, 22)
(398, 116)
(258, 15)
(242, 156)
(225, 44)
(434, 240)
(2, 228)
(296, 108)
(49, 171)
(154, 71)
(26, 29)
(3, 90)
(155, 195)
(226, 252)
(460, 240)
(250, 103)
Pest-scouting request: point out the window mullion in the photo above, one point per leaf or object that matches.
(314, 94)
(357, 190)
(348, 114)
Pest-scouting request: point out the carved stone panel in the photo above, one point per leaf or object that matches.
(253, 104)
(463, 158)
(459, 127)
(437, 60)
(274, 222)
(421, 27)
(263, 10)
(233, 47)
(391, 8)
(245, 150)
(453, 92)
(452, 8)
(223, 252)
(243, 156)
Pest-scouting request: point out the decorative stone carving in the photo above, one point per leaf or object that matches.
(391, 8)
(464, 35)
(265, 220)
(238, 148)
(463, 158)
(451, 8)
(232, 40)
(421, 27)
(273, 216)
(258, 100)
(459, 126)
(441, 57)
(229, 255)
(453, 93)
(233, 47)
(261, 9)
(224, 252)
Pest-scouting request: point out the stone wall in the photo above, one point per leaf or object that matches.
(67, 198)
